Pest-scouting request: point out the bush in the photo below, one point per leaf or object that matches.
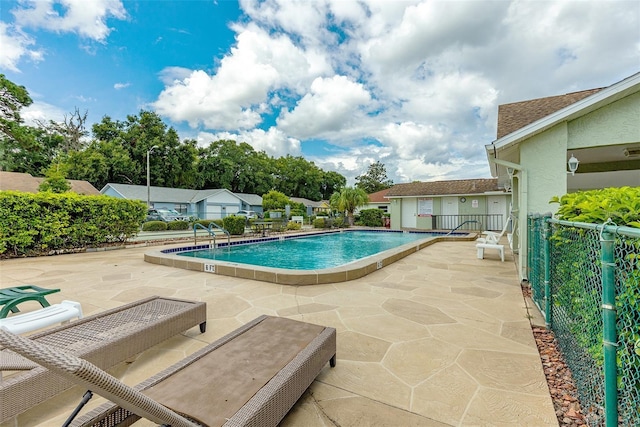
(622, 205)
(371, 217)
(293, 225)
(154, 226)
(340, 222)
(42, 223)
(234, 224)
(205, 222)
(319, 223)
(178, 225)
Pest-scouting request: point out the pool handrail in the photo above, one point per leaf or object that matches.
(209, 230)
(469, 221)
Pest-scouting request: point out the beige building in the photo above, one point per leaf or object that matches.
(599, 128)
(445, 205)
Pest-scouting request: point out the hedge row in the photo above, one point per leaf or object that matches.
(42, 223)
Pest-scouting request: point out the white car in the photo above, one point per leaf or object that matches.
(247, 214)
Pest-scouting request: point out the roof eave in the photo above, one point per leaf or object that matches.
(604, 97)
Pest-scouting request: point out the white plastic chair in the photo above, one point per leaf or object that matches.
(491, 237)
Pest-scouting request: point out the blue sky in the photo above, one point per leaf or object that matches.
(413, 84)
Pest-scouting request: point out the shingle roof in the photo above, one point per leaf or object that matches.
(514, 116)
(308, 202)
(442, 188)
(252, 199)
(29, 184)
(378, 196)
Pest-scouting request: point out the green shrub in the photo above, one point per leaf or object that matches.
(234, 224)
(206, 222)
(371, 218)
(340, 222)
(622, 205)
(319, 223)
(154, 226)
(178, 225)
(293, 225)
(46, 222)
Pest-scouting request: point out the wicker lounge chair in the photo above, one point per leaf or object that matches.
(105, 339)
(11, 297)
(250, 377)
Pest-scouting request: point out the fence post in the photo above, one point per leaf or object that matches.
(609, 333)
(547, 273)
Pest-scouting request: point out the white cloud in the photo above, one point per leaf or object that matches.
(331, 105)
(273, 142)
(235, 95)
(414, 84)
(119, 86)
(40, 111)
(15, 46)
(86, 18)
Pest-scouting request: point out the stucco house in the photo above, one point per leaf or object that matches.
(313, 208)
(204, 204)
(378, 200)
(600, 128)
(445, 205)
(27, 183)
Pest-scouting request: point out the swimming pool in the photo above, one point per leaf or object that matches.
(311, 252)
(310, 258)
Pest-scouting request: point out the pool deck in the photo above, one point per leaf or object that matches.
(439, 338)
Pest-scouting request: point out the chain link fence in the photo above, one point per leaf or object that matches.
(585, 278)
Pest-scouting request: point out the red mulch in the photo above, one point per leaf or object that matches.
(559, 379)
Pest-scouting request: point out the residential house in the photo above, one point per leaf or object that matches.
(204, 204)
(378, 200)
(313, 208)
(600, 128)
(445, 205)
(27, 183)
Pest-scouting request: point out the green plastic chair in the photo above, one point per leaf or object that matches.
(11, 297)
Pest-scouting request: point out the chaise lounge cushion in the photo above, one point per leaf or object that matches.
(234, 372)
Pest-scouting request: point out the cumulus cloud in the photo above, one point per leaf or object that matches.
(414, 84)
(233, 97)
(273, 141)
(331, 105)
(86, 18)
(119, 86)
(15, 46)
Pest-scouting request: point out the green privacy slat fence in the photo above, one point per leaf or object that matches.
(585, 278)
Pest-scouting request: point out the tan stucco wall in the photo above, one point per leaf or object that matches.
(614, 124)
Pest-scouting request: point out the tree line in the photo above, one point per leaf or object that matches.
(115, 151)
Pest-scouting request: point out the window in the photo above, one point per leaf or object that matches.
(383, 208)
(182, 208)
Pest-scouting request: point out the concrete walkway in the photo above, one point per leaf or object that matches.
(439, 338)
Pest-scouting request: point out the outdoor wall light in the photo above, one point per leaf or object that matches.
(573, 165)
(510, 172)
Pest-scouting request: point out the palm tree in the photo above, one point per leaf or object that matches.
(348, 199)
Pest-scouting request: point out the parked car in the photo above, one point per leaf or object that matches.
(165, 214)
(247, 214)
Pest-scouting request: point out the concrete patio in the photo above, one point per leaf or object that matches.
(439, 338)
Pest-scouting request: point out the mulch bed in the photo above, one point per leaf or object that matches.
(559, 378)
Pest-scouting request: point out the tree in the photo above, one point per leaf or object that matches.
(348, 199)
(375, 179)
(55, 181)
(274, 200)
(298, 177)
(331, 182)
(12, 99)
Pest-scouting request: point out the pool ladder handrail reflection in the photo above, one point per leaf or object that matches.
(469, 221)
(211, 233)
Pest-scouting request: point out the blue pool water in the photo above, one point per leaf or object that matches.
(311, 252)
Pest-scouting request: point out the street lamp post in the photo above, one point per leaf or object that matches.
(149, 177)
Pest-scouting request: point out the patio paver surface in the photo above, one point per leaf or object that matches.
(439, 338)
